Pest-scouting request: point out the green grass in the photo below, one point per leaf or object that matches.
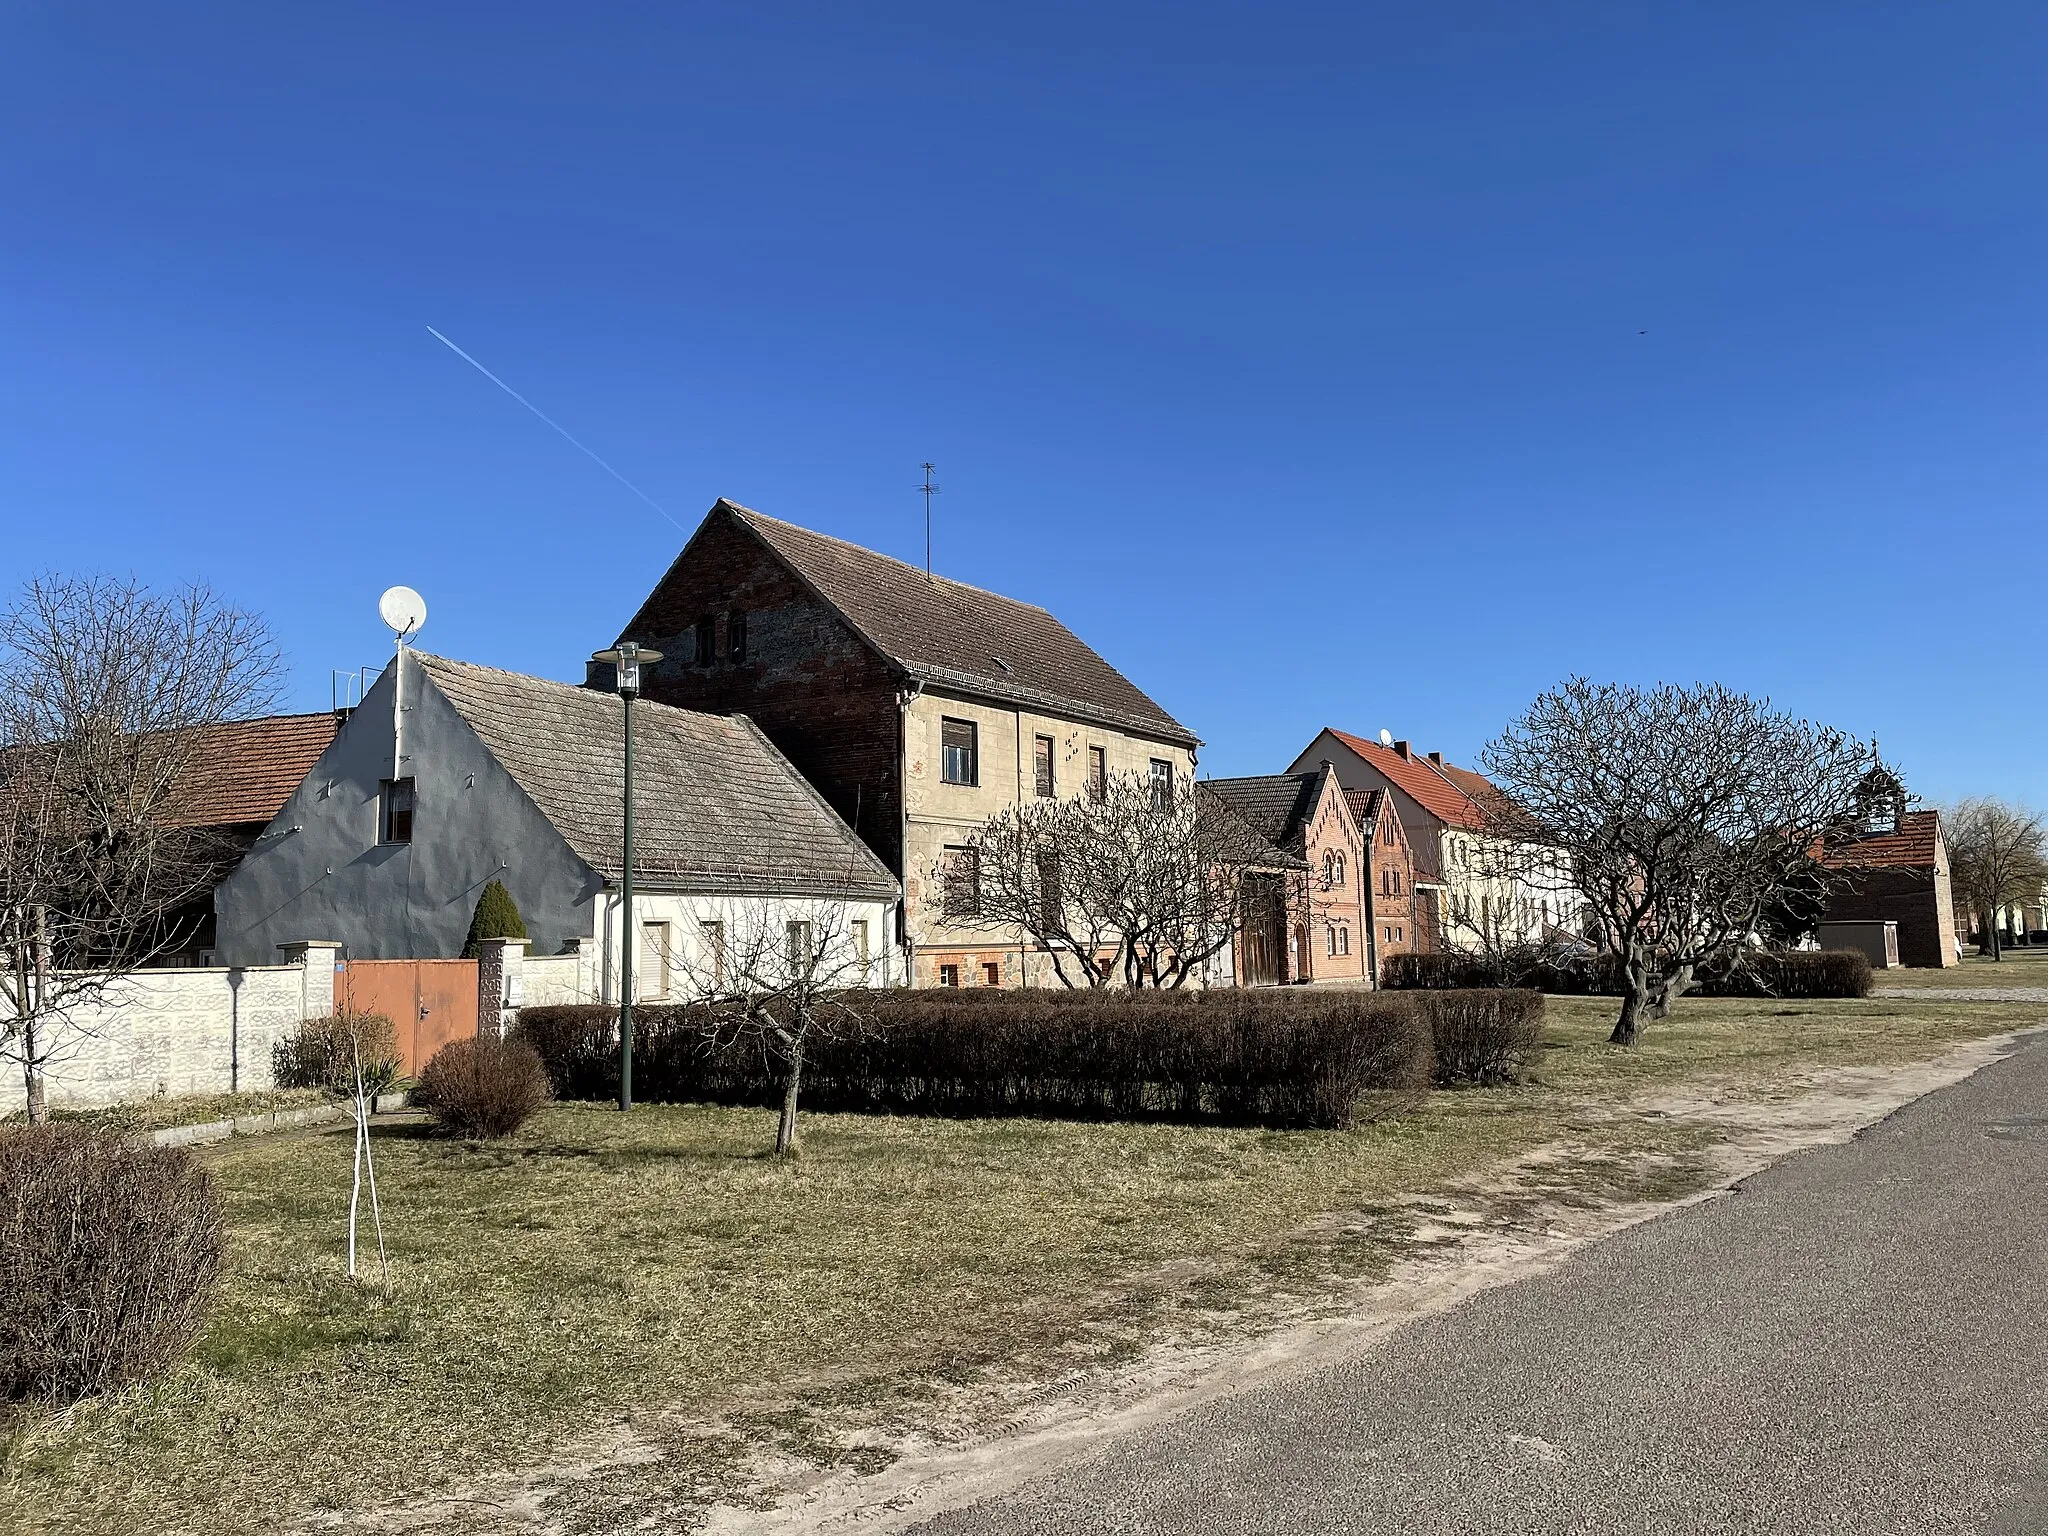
(2025, 967)
(597, 1264)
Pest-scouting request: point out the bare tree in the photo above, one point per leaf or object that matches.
(783, 976)
(107, 693)
(1132, 883)
(1998, 855)
(1686, 816)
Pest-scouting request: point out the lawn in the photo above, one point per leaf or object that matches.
(2022, 967)
(599, 1263)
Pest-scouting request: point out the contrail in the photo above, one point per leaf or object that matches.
(544, 416)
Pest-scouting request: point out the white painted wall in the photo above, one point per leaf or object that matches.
(175, 1032)
(686, 913)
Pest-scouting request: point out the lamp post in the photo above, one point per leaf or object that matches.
(626, 663)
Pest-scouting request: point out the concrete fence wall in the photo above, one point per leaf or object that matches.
(178, 1032)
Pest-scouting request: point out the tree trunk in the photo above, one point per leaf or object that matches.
(785, 1128)
(1629, 1025)
(1665, 991)
(38, 1107)
(1991, 945)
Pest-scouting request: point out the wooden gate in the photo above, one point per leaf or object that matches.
(431, 1001)
(1264, 931)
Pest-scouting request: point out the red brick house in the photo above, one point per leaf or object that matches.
(1392, 918)
(1899, 871)
(1308, 816)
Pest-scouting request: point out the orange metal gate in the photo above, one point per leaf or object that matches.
(431, 1001)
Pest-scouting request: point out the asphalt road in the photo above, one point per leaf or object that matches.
(1854, 1341)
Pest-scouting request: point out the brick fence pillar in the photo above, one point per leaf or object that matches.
(321, 959)
(498, 985)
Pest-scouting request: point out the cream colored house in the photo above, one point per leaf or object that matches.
(918, 706)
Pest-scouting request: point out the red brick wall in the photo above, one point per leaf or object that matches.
(1330, 830)
(1391, 887)
(821, 694)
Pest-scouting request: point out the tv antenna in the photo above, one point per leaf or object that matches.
(930, 491)
(403, 611)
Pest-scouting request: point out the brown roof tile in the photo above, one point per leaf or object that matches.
(952, 635)
(243, 771)
(1911, 847)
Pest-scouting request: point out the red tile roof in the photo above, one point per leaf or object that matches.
(1431, 788)
(245, 770)
(1911, 847)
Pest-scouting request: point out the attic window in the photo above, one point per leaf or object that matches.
(736, 635)
(707, 641)
(395, 812)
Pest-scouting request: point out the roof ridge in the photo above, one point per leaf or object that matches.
(580, 690)
(876, 554)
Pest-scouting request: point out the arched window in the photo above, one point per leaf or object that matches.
(1337, 860)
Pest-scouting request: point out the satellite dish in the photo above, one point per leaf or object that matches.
(1386, 736)
(403, 609)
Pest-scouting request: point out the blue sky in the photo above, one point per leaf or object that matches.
(1355, 366)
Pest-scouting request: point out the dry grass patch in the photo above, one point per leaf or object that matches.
(594, 1263)
(2024, 967)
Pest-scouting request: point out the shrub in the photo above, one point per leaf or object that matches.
(1286, 1057)
(484, 1088)
(1482, 1037)
(109, 1251)
(1747, 973)
(496, 917)
(322, 1053)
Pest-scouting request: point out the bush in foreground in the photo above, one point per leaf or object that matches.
(109, 1252)
(1285, 1058)
(322, 1053)
(1484, 1038)
(484, 1088)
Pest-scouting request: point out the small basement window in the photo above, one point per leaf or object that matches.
(394, 815)
(961, 753)
(991, 973)
(949, 975)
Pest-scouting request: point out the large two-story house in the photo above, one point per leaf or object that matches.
(918, 706)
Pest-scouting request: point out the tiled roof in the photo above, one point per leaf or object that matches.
(955, 636)
(1428, 787)
(1274, 805)
(1911, 847)
(1365, 806)
(243, 771)
(715, 805)
(1253, 847)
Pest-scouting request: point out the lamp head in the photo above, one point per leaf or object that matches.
(626, 660)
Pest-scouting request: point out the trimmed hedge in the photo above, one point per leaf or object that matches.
(1752, 973)
(1284, 1058)
(1483, 1038)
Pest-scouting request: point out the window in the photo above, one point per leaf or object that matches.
(394, 812)
(1330, 935)
(711, 936)
(1386, 882)
(1339, 938)
(859, 930)
(799, 947)
(962, 876)
(1333, 870)
(653, 978)
(1397, 880)
(961, 764)
(736, 635)
(1162, 783)
(1098, 775)
(1041, 766)
(949, 975)
(1387, 832)
(991, 973)
(707, 641)
(1052, 896)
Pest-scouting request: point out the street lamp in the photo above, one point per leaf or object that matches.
(626, 663)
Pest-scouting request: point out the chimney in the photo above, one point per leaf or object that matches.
(1437, 758)
(1401, 747)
